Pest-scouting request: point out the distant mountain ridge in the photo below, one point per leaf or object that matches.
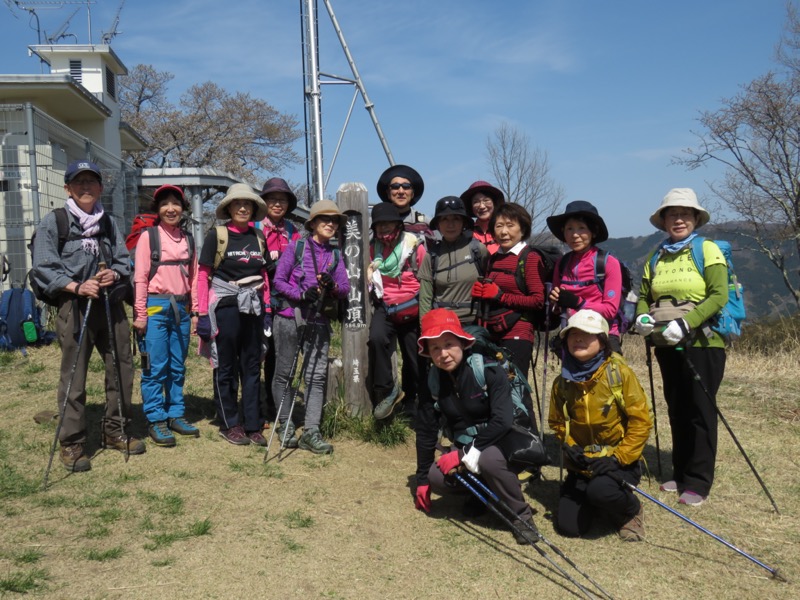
(765, 293)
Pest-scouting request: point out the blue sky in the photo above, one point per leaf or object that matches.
(610, 90)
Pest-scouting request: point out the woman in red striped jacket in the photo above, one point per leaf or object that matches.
(513, 290)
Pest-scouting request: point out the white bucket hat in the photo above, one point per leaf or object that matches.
(586, 320)
(241, 191)
(680, 197)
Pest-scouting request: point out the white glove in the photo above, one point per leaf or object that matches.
(675, 331)
(470, 460)
(268, 332)
(644, 324)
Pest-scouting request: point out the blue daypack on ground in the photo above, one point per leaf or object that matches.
(20, 321)
(728, 321)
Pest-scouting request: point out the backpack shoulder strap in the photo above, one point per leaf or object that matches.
(155, 251)
(222, 244)
(520, 274)
(600, 267)
(478, 364)
(190, 243)
(299, 249)
(475, 249)
(5, 303)
(62, 226)
(614, 376)
(289, 229)
(697, 254)
(337, 256)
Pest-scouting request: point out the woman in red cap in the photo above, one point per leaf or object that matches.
(165, 284)
(477, 417)
(481, 200)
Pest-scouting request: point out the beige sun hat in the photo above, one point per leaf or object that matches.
(241, 191)
(324, 207)
(680, 197)
(586, 320)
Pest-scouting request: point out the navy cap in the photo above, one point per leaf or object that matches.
(79, 166)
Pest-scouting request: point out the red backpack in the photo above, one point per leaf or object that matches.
(140, 223)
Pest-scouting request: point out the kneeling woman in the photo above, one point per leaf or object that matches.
(599, 411)
(465, 405)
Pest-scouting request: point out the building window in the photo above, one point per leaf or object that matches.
(111, 84)
(76, 70)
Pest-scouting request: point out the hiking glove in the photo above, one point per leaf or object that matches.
(449, 462)
(310, 296)
(203, 328)
(477, 289)
(567, 299)
(422, 498)
(675, 331)
(576, 456)
(267, 324)
(470, 460)
(490, 291)
(326, 281)
(603, 465)
(644, 325)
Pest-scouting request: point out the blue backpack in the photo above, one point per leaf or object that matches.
(20, 321)
(728, 321)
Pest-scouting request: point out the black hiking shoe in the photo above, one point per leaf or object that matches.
(522, 533)
(161, 435)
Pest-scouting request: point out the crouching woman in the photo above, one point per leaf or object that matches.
(478, 419)
(600, 413)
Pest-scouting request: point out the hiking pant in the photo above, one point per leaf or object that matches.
(167, 342)
(495, 473)
(316, 340)
(692, 414)
(238, 355)
(581, 496)
(383, 337)
(68, 324)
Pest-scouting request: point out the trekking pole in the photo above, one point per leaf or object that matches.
(548, 287)
(63, 410)
(775, 573)
(516, 530)
(117, 369)
(488, 491)
(653, 400)
(702, 385)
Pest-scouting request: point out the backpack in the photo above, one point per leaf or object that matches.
(20, 320)
(64, 235)
(332, 308)
(627, 305)
(140, 223)
(475, 259)
(155, 251)
(728, 321)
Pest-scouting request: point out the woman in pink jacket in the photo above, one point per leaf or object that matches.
(165, 283)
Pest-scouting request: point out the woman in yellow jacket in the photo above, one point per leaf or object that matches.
(600, 413)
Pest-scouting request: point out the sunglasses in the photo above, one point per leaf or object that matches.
(327, 219)
(397, 186)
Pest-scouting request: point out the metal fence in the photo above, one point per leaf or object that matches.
(34, 152)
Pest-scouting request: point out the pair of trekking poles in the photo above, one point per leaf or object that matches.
(117, 374)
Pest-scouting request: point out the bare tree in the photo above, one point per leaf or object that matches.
(209, 127)
(756, 136)
(522, 172)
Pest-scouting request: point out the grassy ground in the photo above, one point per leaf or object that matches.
(209, 520)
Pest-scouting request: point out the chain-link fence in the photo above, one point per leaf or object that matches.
(34, 152)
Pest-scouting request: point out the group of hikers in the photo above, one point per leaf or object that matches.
(260, 292)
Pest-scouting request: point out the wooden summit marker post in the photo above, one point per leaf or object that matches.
(352, 199)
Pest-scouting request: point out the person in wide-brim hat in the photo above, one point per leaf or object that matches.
(581, 210)
(485, 188)
(684, 197)
(451, 205)
(406, 172)
(324, 207)
(276, 184)
(241, 191)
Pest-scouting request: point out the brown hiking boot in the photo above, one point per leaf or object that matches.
(633, 530)
(124, 443)
(74, 459)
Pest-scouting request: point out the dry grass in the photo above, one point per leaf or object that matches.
(209, 520)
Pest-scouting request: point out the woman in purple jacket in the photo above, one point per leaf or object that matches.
(307, 281)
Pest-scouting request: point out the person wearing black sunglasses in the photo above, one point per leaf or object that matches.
(403, 186)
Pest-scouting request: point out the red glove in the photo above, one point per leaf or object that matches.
(490, 291)
(477, 289)
(449, 462)
(422, 499)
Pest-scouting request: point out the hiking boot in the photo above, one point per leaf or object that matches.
(74, 459)
(124, 443)
(386, 406)
(633, 530)
(313, 442)
(257, 438)
(182, 427)
(161, 435)
(522, 534)
(690, 498)
(291, 441)
(235, 435)
(670, 486)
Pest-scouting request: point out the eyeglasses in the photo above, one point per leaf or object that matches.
(679, 216)
(269, 200)
(482, 201)
(397, 186)
(327, 219)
